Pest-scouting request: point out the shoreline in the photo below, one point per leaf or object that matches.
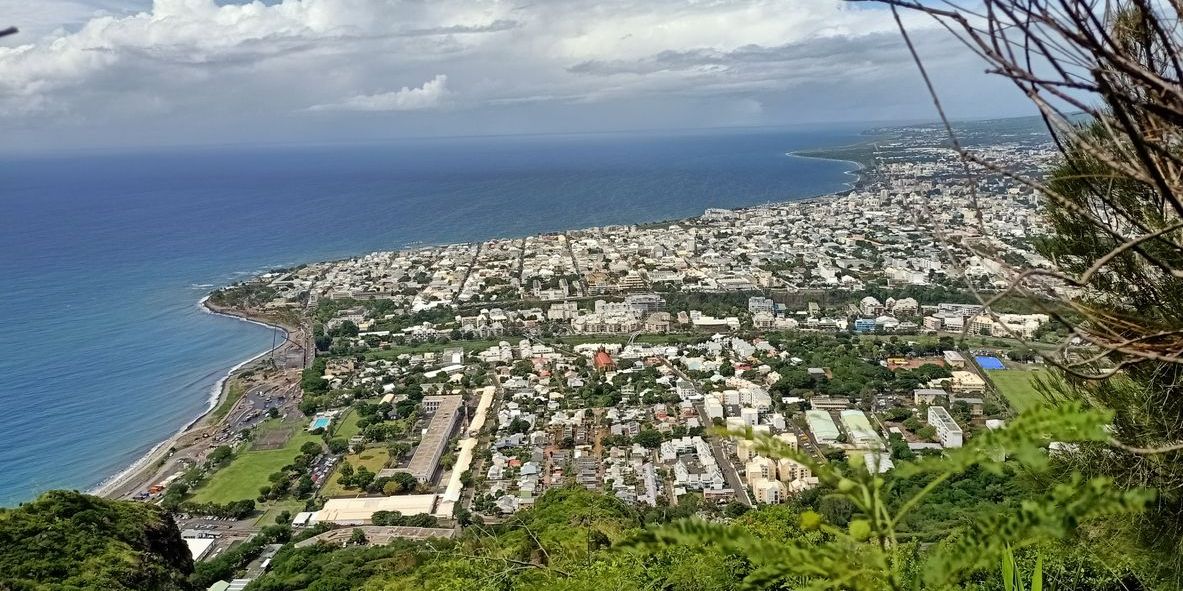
(146, 466)
(111, 486)
(859, 167)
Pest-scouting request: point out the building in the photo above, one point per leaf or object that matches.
(933, 323)
(603, 361)
(645, 303)
(199, 548)
(981, 325)
(926, 395)
(713, 408)
(828, 403)
(759, 467)
(954, 359)
(965, 382)
(360, 511)
(427, 456)
(864, 325)
(757, 304)
(788, 470)
(948, 431)
(905, 307)
(859, 429)
(769, 491)
(822, 426)
(870, 306)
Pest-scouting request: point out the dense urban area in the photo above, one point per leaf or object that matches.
(421, 392)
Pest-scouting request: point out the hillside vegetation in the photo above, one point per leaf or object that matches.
(71, 541)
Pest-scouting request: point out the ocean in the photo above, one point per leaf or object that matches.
(104, 256)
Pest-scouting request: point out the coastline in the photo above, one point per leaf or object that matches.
(144, 467)
(859, 167)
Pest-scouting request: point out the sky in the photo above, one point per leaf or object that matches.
(95, 73)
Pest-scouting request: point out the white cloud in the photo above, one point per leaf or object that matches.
(429, 96)
(197, 69)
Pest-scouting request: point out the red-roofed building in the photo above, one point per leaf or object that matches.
(603, 360)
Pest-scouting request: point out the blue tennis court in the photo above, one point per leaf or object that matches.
(988, 362)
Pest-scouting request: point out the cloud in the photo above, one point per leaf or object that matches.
(200, 70)
(429, 96)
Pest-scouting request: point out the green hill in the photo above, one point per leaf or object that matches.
(71, 541)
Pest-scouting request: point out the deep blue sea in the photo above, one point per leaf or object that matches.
(104, 256)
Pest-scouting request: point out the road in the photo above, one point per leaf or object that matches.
(730, 473)
(191, 447)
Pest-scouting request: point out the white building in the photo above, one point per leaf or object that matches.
(948, 431)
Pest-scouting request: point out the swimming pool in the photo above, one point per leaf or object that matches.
(319, 423)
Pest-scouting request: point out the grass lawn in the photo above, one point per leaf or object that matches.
(373, 459)
(275, 508)
(1017, 386)
(233, 394)
(249, 470)
(348, 426)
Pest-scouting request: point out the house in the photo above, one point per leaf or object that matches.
(927, 395)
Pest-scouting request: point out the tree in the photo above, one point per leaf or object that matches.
(927, 432)
(648, 438)
(338, 445)
(519, 425)
(219, 455)
(363, 478)
(304, 486)
(735, 509)
(358, 537)
(68, 540)
(1113, 203)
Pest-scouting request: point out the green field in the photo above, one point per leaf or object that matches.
(373, 459)
(347, 427)
(274, 508)
(249, 470)
(1017, 386)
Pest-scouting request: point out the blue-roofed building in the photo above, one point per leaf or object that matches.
(864, 325)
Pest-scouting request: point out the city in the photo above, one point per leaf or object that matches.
(456, 384)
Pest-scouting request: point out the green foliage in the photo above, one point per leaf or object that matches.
(224, 565)
(70, 541)
(1012, 576)
(873, 550)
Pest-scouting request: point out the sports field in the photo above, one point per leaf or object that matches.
(1017, 386)
(249, 470)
